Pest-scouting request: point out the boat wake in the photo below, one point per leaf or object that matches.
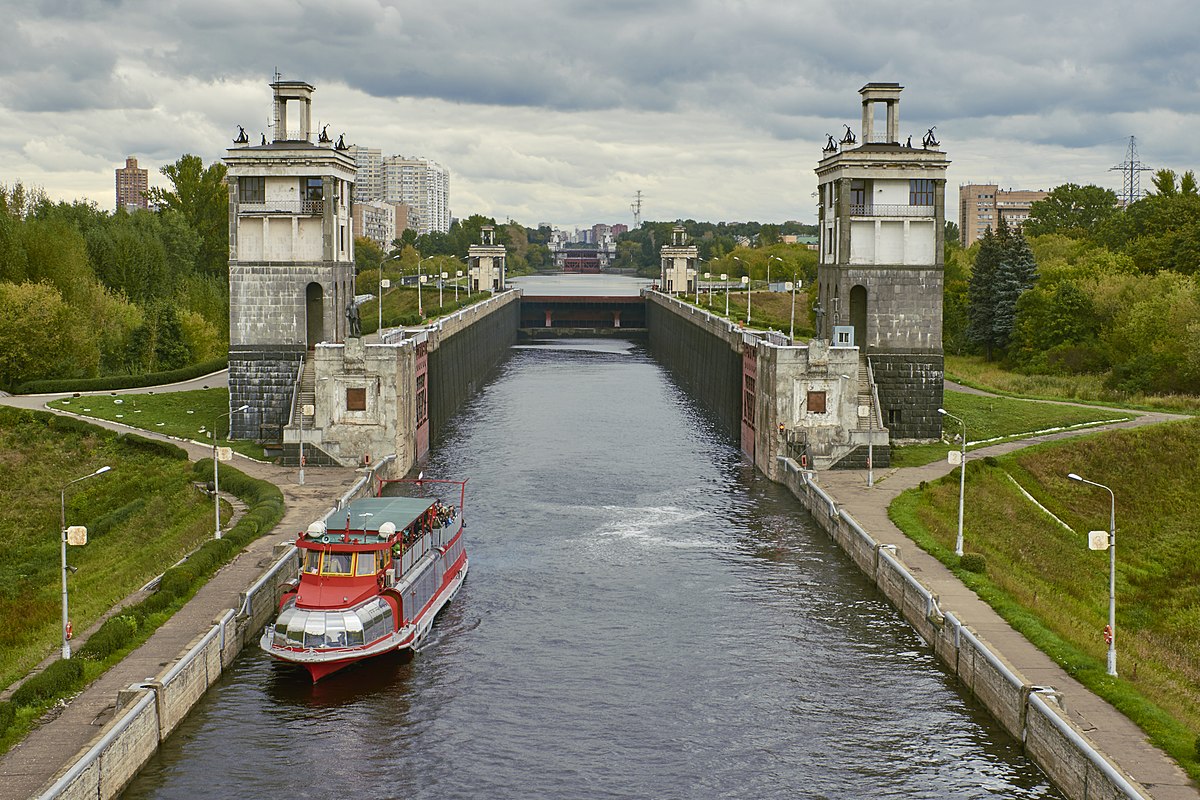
(658, 526)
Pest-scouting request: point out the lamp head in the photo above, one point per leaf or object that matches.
(242, 408)
(1074, 477)
(102, 470)
(941, 411)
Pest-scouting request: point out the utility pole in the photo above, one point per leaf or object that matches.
(636, 208)
(1131, 190)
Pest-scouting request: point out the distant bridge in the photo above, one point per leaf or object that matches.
(565, 315)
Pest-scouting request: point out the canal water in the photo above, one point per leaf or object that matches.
(645, 617)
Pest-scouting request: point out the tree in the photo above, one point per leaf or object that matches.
(41, 336)
(981, 293)
(1187, 185)
(202, 199)
(1072, 210)
(1164, 183)
(1016, 273)
(952, 233)
(367, 254)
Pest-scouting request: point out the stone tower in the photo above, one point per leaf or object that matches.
(678, 264)
(882, 220)
(485, 261)
(291, 259)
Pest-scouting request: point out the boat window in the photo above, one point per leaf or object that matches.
(381, 559)
(295, 630)
(314, 630)
(335, 630)
(354, 630)
(312, 560)
(336, 563)
(365, 564)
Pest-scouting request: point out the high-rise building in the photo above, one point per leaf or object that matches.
(132, 185)
(421, 184)
(981, 205)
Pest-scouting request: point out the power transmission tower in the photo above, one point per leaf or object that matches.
(636, 208)
(1131, 190)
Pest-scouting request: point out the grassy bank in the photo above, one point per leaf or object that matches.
(1044, 580)
(767, 309)
(995, 419)
(975, 372)
(141, 518)
(185, 415)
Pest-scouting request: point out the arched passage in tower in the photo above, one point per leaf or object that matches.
(858, 314)
(314, 314)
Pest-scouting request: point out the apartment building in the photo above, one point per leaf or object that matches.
(132, 185)
(981, 205)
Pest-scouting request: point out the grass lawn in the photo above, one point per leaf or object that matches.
(974, 371)
(993, 419)
(185, 415)
(1046, 582)
(400, 305)
(142, 516)
(767, 309)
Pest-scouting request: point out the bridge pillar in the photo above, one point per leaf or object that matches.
(617, 318)
(549, 318)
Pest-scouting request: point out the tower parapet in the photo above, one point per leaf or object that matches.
(678, 263)
(486, 262)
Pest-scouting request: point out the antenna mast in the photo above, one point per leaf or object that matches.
(636, 208)
(1131, 190)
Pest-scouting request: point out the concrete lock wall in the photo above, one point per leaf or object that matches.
(147, 714)
(463, 349)
(704, 354)
(1025, 711)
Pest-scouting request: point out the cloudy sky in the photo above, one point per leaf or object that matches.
(560, 110)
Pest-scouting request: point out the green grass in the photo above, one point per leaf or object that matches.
(975, 372)
(767, 309)
(400, 305)
(993, 419)
(141, 517)
(184, 415)
(1044, 580)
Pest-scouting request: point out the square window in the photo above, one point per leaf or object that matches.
(356, 399)
(816, 402)
(252, 189)
(893, 417)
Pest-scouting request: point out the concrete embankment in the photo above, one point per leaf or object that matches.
(148, 711)
(1055, 718)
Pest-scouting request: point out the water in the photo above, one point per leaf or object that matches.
(645, 616)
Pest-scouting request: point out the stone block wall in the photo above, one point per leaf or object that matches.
(263, 378)
(910, 393)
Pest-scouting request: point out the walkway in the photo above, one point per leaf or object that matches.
(1112, 732)
(67, 730)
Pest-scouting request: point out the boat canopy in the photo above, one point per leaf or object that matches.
(372, 516)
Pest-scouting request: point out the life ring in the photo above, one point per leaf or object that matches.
(68, 631)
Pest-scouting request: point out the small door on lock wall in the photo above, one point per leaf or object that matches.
(858, 314)
(314, 314)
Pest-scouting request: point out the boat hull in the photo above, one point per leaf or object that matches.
(320, 665)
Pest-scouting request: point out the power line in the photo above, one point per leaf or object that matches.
(1131, 190)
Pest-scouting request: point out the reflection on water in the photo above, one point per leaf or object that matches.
(645, 616)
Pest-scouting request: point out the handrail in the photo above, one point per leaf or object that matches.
(95, 751)
(876, 410)
(295, 393)
(190, 655)
(1085, 747)
(889, 210)
(247, 607)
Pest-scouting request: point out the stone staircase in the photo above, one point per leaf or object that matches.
(306, 395)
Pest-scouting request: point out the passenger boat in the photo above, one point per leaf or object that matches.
(374, 584)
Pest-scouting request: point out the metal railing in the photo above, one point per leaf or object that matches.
(299, 207)
(889, 210)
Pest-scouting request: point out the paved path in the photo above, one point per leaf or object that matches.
(1112, 732)
(67, 730)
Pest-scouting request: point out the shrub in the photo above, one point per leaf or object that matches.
(991, 461)
(973, 562)
(123, 381)
(115, 633)
(153, 446)
(57, 680)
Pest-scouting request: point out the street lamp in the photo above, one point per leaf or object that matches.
(457, 277)
(792, 327)
(769, 260)
(962, 480)
(1112, 573)
(62, 531)
(216, 485)
(708, 280)
(421, 280)
(746, 280)
(725, 280)
(441, 284)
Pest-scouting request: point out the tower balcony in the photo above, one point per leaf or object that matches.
(299, 208)
(890, 210)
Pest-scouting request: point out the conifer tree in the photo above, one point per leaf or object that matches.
(981, 293)
(1017, 273)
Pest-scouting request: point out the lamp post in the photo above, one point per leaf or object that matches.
(792, 327)
(457, 277)
(421, 280)
(962, 480)
(725, 280)
(696, 278)
(216, 485)
(769, 260)
(708, 280)
(746, 280)
(1112, 572)
(62, 532)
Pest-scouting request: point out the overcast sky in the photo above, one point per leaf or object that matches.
(560, 110)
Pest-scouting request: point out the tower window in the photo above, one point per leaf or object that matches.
(252, 189)
(920, 192)
(314, 189)
(893, 417)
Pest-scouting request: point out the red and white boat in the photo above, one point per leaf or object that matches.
(373, 585)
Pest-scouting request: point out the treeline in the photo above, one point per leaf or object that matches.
(639, 248)
(527, 248)
(87, 293)
(1114, 290)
